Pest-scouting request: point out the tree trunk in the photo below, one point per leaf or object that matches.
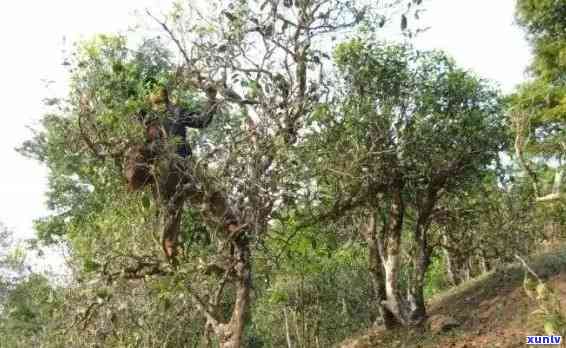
(421, 257)
(421, 260)
(465, 272)
(385, 268)
(394, 301)
(390, 250)
(484, 263)
(287, 332)
(452, 269)
(174, 190)
(376, 273)
(230, 334)
(449, 268)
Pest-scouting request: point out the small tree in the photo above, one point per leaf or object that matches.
(539, 105)
(410, 127)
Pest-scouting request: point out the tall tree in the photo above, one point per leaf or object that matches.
(266, 61)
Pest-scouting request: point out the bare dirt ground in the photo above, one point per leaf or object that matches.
(491, 311)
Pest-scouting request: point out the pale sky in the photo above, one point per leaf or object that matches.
(480, 34)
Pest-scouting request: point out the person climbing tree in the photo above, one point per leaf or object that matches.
(165, 122)
(160, 130)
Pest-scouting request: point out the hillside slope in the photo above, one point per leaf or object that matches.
(490, 311)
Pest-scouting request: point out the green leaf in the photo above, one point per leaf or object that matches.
(146, 203)
(550, 327)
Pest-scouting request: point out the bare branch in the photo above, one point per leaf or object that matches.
(173, 37)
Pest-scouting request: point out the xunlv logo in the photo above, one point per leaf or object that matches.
(544, 339)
